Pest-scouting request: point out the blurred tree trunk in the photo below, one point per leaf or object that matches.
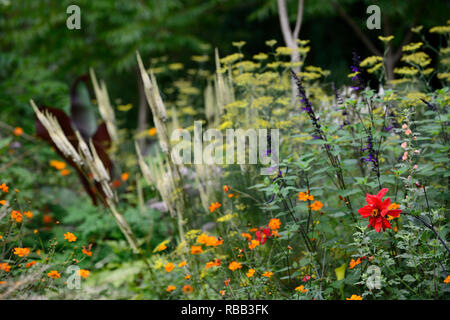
(290, 37)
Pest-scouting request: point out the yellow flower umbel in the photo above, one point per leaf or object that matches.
(386, 39)
(440, 29)
(413, 46)
(418, 58)
(370, 61)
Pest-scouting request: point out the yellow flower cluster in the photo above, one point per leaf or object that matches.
(440, 29)
(412, 46)
(370, 61)
(406, 71)
(418, 58)
(261, 102)
(231, 58)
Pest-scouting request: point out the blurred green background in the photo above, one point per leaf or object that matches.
(40, 57)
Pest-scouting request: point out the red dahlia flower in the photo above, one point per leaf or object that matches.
(378, 211)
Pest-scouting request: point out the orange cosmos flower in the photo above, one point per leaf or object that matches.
(274, 224)
(188, 288)
(248, 236)
(301, 289)
(84, 273)
(86, 251)
(250, 273)
(227, 282)
(170, 288)
(161, 247)
(354, 297)
(124, 176)
(196, 249)
(18, 131)
(394, 206)
(21, 252)
(182, 264)
(169, 267)
(354, 263)
(214, 206)
(267, 274)
(210, 264)
(65, 172)
(3, 202)
(302, 196)
(230, 195)
(187, 277)
(30, 264)
(16, 215)
(222, 292)
(4, 187)
(59, 165)
(151, 132)
(28, 214)
(316, 206)
(5, 267)
(226, 188)
(203, 238)
(54, 274)
(234, 266)
(447, 280)
(69, 236)
(213, 242)
(253, 229)
(253, 244)
(209, 240)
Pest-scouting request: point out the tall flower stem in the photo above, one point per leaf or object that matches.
(334, 160)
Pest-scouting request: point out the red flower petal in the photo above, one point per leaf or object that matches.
(371, 199)
(386, 224)
(365, 211)
(385, 204)
(378, 224)
(382, 193)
